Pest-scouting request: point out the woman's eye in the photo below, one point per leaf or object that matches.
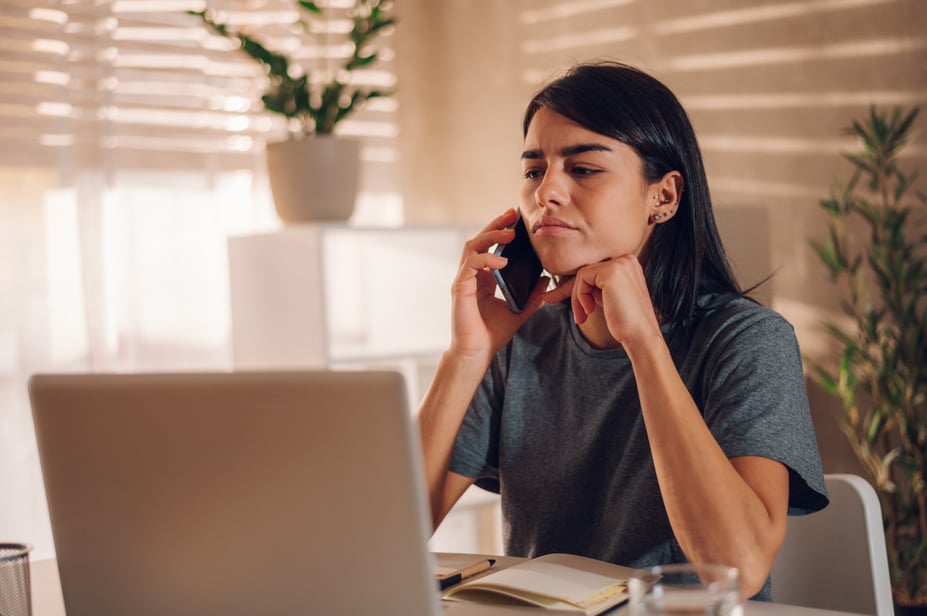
(533, 174)
(584, 171)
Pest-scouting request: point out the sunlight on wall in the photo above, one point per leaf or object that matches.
(752, 15)
(788, 190)
(804, 100)
(582, 39)
(569, 8)
(784, 55)
(773, 145)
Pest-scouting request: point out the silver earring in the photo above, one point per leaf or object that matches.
(658, 216)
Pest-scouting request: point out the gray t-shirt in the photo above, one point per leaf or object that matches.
(556, 429)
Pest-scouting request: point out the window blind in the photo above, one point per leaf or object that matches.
(125, 84)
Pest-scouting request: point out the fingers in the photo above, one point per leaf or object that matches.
(496, 232)
(506, 218)
(480, 262)
(563, 290)
(585, 299)
(537, 299)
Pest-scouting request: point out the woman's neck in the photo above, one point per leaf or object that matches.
(595, 331)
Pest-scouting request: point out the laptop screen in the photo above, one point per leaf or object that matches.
(234, 493)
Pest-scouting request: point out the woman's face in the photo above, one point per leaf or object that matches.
(584, 197)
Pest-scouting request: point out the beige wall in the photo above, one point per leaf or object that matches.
(769, 84)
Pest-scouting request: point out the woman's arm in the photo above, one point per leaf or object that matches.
(729, 511)
(481, 325)
(439, 418)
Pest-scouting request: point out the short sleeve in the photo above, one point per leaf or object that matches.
(476, 450)
(756, 403)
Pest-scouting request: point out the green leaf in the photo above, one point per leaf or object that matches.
(904, 183)
(830, 254)
(344, 110)
(312, 7)
(823, 378)
(277, 65)
(360, 62)
(876, 423)
(845, 369)
(380, 24)
(853, 268)
(836, 332)
(831, 206)
(862, 162)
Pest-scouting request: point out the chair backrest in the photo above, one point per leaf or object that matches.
(836, 559)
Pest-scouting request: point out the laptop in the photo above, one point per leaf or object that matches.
(235, 493)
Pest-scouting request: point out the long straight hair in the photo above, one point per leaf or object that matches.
(684, 257)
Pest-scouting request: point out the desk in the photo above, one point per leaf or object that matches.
(46, 588)
(47, 599)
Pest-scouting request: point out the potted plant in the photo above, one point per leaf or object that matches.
(880, 376)
(313, 167)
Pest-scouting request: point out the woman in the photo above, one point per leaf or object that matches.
(643, 411)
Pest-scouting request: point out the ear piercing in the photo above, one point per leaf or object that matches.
(658, 216)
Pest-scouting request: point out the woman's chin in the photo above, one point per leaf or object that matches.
(563, 268)
(559, 264)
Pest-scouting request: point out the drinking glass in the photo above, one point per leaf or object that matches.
(685, 589)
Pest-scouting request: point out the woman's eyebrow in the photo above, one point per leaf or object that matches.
(570, 150)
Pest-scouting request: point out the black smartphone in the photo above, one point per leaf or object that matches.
(517, 279)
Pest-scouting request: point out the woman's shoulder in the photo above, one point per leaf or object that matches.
(730, 315)
(733, 306)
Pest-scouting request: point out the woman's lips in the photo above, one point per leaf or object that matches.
(550, 225)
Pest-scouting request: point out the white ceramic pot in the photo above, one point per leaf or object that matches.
(314, 179)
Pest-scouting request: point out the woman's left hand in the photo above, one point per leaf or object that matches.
(619, 287)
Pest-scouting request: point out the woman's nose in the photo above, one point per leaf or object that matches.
(552, 190)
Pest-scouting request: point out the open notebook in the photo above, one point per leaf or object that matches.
(235, 493)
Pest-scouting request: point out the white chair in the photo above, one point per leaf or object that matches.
(836, 559)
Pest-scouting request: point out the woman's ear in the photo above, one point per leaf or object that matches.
(665, 197)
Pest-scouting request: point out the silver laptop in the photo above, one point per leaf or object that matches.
(235, 493)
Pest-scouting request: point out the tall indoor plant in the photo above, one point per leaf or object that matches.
(876, 252)
(313, 166)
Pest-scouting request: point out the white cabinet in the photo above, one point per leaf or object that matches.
(332, 295)
(335, 295)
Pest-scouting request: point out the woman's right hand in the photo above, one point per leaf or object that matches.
(482, 323)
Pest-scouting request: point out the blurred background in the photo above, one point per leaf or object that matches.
(132, 152)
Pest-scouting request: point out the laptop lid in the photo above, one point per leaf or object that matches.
(234, 493)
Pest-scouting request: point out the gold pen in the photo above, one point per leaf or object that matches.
(466, 572)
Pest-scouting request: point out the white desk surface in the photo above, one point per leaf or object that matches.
(47, 599)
